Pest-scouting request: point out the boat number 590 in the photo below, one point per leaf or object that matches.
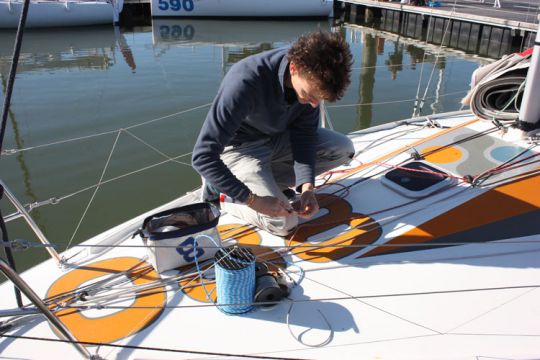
(176, 5)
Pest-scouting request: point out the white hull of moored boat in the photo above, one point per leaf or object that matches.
(242, 8)
(56, 13)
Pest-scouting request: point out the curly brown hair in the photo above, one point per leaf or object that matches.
(326, 59)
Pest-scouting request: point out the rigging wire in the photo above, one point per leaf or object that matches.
(150, 348)
(365, 177)
(155, 149)
(57, 199)
(95, 190)
(405, 65)
(14, 151)
(393, 101)
(309, 246)
(379, 164)
(363, 225)
(331, 298)
(100, 182)
(59, 142)
(418, 107)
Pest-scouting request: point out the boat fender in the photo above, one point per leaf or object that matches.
(285, 283)
(260, 269)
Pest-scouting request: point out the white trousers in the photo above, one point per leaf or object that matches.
(266, 167)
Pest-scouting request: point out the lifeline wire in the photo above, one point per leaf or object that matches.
(95, 191)
(338, 298)
(402, 244)
(418, 109)
(13, 151)
(363, 179)
(335, 245)
(135, 347)
(369, 245)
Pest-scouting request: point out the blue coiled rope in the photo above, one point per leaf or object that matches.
(235, 278)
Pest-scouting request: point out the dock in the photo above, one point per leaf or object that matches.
(513, 14)
(476, 26)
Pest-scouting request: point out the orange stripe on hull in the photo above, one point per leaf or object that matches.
(501, 203)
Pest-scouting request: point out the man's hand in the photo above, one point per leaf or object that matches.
(309, 205)
(271, 206)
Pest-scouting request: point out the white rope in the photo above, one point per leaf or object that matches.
(298, 338)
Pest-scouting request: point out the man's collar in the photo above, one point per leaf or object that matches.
(283, 70)
(289, 95)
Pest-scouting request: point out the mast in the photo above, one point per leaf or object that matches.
(529, 114)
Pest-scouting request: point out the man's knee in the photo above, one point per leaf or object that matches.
(334, 146)
(348, 148)
(280, 226)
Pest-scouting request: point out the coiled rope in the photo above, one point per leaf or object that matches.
(235, 280)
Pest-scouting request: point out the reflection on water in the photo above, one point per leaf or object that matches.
(236, 33)
(236, 38)
(367, 78)
(59, 49)
(126, 107)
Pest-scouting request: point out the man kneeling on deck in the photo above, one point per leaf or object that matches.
(261, 140)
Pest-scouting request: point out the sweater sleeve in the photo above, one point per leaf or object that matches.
(232, 103)
(303, 144)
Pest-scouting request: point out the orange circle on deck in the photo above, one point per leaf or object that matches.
(442, 155)
(146, 307)
(243, 234)
(363, 230)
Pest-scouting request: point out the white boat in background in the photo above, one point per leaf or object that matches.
(242, 8)
(55, 13)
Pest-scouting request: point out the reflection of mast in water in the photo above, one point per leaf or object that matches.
(437, 105)
(367, 80)
(395, 60)
(125, 49)
(20, 159)
(232, 54)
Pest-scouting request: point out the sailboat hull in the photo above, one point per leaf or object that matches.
(56, 14)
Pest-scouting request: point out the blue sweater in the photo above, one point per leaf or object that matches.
(253, 103)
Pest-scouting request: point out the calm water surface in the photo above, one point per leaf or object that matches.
(125, 106)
